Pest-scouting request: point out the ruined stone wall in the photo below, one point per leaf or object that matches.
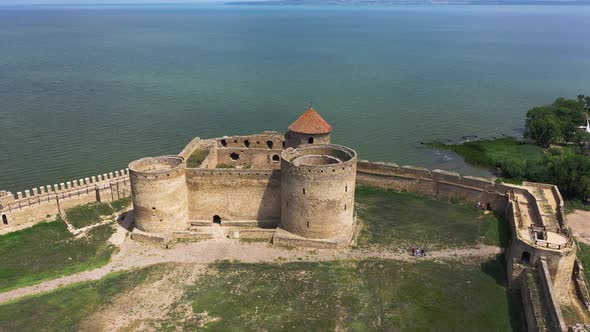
(249, 158)
(317, 196)
(35, 205)
(234, 195)
(260, 151)
(160, 199)
(266, 140)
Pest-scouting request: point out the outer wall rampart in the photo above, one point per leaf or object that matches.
(36, 204)
(234, 194)
(434, 183)
(555, 265)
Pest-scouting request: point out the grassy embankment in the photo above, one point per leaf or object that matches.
(47, 251)
(326, 296)
(496, 154)
(92, 213)
(196, 158)
(407, 219)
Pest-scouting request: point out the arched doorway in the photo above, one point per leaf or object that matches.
(217, 219)
(4, 219)
(310, 140)
(526, 257)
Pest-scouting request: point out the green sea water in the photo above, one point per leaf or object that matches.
(86, 90)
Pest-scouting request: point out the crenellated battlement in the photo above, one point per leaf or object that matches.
(35, 204)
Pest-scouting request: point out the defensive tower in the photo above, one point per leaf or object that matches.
(317, 191)
(310, 128)
(160, 199)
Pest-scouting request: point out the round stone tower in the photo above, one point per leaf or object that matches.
(310, 128)
(317, 191)
(160, 199)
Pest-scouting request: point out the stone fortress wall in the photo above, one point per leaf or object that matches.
(36, 204)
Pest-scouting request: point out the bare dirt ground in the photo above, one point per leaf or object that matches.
(148, 303)
(579, 222)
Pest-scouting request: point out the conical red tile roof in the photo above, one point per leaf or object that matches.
(310, 123)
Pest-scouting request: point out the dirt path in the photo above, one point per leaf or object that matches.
(135, 255)
(579, 222)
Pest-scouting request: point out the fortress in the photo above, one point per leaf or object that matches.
(298, 183)
(297, 189)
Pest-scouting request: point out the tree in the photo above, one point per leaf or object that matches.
(582, 140)
(542, 130)
(555, 123)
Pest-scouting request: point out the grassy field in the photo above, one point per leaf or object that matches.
(63, 309)
(371, 295)
(196, 158)
(408, 219)
(92, 213)
(490, 153)
(47, 250)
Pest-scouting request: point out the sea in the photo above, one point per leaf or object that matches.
(85, 90)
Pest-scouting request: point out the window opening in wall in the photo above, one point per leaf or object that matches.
(310, 140)
(4, 219)
(269, 144)
(346, 188)
(276, 158)
(247, 143)
(224, 142)
(236, 141)
(234, 156)
(489, 207)
(283, 144)
(153, 208)
(540, 236)
(526, 257)
(308, 224)
(217, 219)
(303, 191)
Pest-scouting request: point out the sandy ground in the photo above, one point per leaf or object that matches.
(136, 255)
(579, 222)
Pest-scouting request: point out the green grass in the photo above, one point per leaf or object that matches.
(492, 153)
(88, 214)
(47, 251)
(65, 308)
(196, 158)
(406, 219)
(369, 295)
(372, 295)
(121, 204)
